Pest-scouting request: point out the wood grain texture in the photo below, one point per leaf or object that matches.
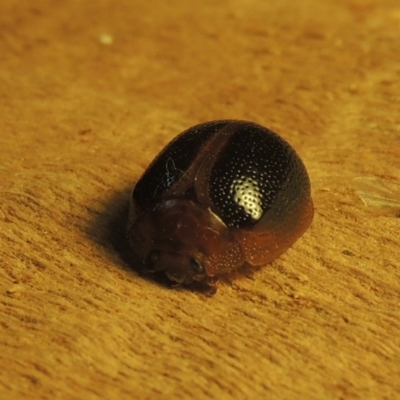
(81, 120)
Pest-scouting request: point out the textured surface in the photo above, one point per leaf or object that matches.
(80, 120)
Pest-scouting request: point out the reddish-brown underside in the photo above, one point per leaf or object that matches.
(262, 247)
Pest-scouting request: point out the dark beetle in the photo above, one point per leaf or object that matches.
(220, 195)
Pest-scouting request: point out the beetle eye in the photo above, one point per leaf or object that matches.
(197, 266)
(153, 259)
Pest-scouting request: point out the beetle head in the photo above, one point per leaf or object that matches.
(184, 239)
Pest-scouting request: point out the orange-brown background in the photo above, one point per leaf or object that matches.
(80, 119)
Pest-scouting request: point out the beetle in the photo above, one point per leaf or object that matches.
(221, 195)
